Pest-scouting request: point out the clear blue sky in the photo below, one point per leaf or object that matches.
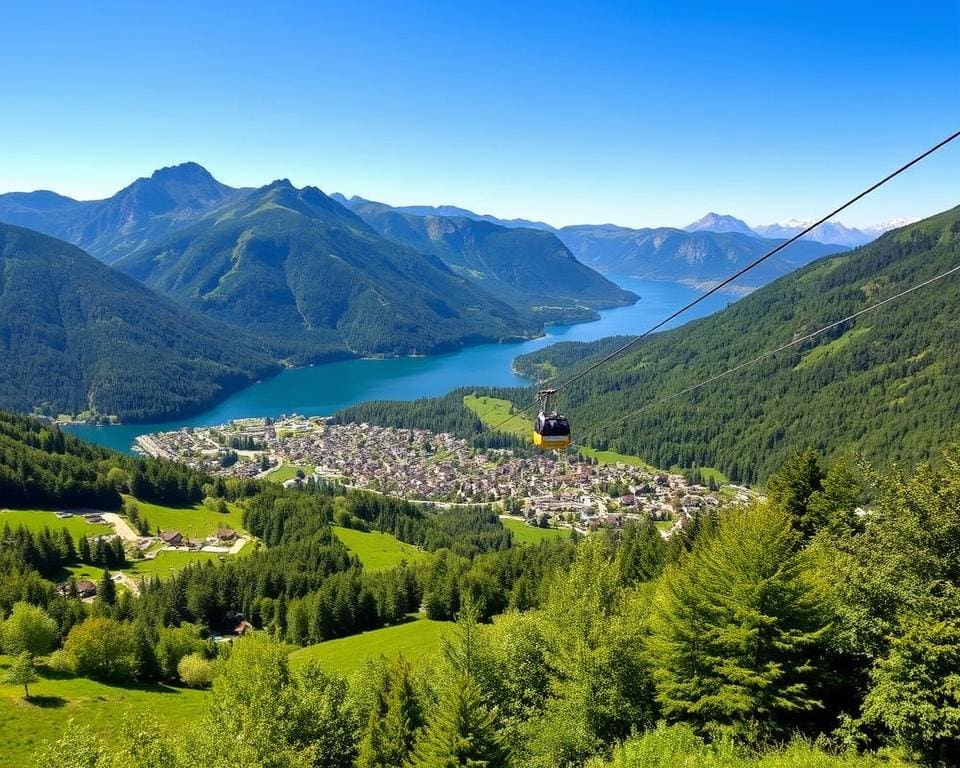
(568, 113)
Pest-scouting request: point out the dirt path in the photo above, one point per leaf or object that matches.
(121, 527)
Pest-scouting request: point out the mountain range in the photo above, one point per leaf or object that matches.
(77, 337)
(300, 270)
(530, 268)
(699, 257)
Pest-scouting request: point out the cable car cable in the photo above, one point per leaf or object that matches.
(607, 358)
(770, 353)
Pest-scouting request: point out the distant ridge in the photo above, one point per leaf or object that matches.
(716, 222)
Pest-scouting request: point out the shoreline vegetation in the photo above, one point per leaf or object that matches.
(107, 420)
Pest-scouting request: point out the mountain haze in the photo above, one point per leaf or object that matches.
(76, 336)
(699, 257)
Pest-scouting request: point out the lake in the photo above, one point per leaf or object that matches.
(322, 389)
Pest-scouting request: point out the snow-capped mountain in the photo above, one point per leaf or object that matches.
(832, 232)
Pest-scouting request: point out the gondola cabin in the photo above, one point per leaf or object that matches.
(551, 431)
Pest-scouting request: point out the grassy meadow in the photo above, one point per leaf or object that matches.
(56, 700)
(415, 639)
(378, 551)
(194, 521)
(527, 534)
(37, 519)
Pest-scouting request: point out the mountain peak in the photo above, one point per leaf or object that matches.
(184, 173)
(719, 222)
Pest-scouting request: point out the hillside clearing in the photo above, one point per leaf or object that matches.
(528, 534)
(378, 551)
(414, 639)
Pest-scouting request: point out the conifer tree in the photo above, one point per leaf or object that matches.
(106, 589)
(85, 550)
(461, 731)
(394, 721)
(733, 629)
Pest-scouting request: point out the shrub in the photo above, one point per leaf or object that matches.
(195, 671)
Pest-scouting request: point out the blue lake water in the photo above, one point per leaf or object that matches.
(322, 389)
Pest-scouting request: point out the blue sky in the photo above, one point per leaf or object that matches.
(570, 113)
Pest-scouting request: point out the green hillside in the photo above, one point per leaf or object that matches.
(77, 337)
(530, 268)
(881, 386)
(305, 273)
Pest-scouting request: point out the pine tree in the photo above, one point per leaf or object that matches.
(85, 550)
(461, 732)
(394, 721)
(147, 668)
(734, 627)
(68, 552)
(790, 489)
(106, 589)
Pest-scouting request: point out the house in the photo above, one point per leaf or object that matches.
(86, 588)
(173, 538)
(226, 534)
(242, 628)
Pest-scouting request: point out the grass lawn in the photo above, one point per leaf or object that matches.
(54, 701)
(287, 472)
(527, 534)
(163, 565)
(37, 520)
(492, 411)
(664, 525)
(378, 551)
(194, 521)
(414, 640)
(612, 457)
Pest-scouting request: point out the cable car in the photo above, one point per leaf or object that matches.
(551, 430)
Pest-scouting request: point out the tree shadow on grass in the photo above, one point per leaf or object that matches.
(46, 702)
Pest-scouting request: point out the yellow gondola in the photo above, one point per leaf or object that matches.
(551, 430)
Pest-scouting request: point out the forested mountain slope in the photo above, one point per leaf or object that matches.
(678, 256)
(885, 385)
(299, 269)
(142, 213)
(76, 336)
(529, 268)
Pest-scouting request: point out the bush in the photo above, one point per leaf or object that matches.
(195, 671)
(62, 663)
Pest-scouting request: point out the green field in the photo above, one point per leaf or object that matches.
(415, 639)
(37, 520)
(378, 551)
(612, 457)
(527, 534)
(163, 565)
(493, 411)
(194, 522)
(287, 472)
(55, 701)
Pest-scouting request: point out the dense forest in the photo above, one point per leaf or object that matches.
(41, 466)
(816, 628)
(78, 338)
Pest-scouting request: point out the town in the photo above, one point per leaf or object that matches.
(439, 468)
